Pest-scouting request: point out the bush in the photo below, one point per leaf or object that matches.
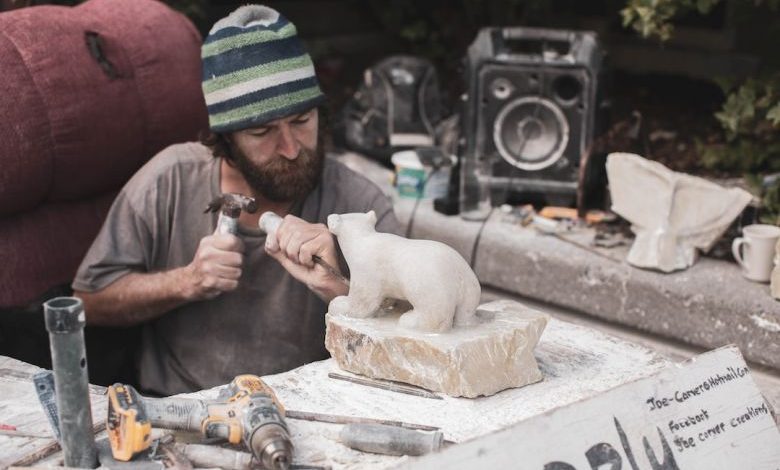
(749, 117)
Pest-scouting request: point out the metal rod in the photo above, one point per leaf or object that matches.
(333, 271)
(65, 323)
(339, 419)
(384, 385)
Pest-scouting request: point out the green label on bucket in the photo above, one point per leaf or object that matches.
(410, 182)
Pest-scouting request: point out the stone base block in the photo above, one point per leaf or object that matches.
(468, 362)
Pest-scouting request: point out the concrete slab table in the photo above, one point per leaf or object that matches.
(577, 363)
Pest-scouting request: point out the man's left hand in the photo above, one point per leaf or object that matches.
(294, 245)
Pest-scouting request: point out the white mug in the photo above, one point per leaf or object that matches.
(755, 251)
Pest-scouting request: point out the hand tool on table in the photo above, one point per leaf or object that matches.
(552, 227)
(45, 389)
(389, 440)
(568, 213)
(246, 411)
(269, 222)
(386, 385)
(11, 430)
(230, 206)
(342, 419)
(65, 320)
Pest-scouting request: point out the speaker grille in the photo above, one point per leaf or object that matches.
(531, 133)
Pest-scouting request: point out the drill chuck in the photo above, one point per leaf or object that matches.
(271, 445)
(268, 438)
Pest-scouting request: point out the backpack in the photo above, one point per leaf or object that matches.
(397, 106)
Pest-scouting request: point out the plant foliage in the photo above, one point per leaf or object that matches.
(749, 117)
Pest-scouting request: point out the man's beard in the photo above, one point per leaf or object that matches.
(282, 179)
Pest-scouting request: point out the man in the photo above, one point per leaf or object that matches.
(214, 306)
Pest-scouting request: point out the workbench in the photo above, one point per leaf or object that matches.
(576, 362)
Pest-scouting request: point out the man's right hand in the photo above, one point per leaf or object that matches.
(139, 297)
(216, 267)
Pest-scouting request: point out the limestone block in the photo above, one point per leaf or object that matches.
(483, 359)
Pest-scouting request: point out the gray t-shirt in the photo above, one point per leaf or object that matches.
(271, 323)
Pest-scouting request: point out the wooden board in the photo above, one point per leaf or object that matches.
(705, 414)
(19, 407)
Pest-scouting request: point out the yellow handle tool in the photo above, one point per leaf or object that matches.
(129, 429)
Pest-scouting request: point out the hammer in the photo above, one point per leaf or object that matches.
(230, 206)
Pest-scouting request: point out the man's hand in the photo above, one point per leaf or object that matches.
(139, 297)
(294, 245)
(215, 268)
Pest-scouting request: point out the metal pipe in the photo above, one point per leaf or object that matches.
(65, 323)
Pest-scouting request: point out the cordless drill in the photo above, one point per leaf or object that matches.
(246, 411)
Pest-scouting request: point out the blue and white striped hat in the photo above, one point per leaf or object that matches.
(255, 70)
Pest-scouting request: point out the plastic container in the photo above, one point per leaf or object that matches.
(414, 167)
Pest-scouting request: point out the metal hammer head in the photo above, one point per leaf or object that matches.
(232, 204)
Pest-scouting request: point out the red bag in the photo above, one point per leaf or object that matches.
(90, 93)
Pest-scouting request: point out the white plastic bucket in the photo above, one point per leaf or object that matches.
(411, 175)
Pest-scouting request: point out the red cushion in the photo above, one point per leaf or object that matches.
(72, 136)
(74, 131)
(44, 247)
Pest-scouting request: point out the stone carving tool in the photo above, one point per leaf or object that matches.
(269, 222)
(230, 206)
(389, 440)
(44, 388)
(341, 419)
(386, 385)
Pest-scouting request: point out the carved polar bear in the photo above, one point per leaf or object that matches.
(431, 276)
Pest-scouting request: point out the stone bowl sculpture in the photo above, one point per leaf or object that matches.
(672, 214)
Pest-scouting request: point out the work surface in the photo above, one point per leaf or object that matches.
(577, 363)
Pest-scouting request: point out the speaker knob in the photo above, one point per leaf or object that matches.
(501, 88)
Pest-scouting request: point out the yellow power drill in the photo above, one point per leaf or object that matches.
(246, 411)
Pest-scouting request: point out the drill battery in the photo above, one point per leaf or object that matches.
(128, 427)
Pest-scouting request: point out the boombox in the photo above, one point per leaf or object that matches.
(531, 108)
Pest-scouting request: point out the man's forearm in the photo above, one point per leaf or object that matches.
(136, 297)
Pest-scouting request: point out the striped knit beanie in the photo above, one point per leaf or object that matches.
(255, 70)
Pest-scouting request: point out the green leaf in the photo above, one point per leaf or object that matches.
(773, 115)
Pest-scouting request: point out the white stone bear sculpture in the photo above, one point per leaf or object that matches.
(431, 276)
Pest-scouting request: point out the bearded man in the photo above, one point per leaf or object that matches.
(214, 306)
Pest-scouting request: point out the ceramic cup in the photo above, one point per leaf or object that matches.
(755, 251)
